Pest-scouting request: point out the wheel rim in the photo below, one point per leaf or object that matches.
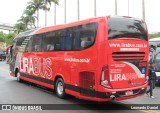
(18, 76)
(60, 88)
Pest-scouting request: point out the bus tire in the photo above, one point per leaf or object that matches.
(60, 88)
(18, 77)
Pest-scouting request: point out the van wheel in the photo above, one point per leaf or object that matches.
(60, 88)
(18, 77)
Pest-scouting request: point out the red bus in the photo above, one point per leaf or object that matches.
(97, 59)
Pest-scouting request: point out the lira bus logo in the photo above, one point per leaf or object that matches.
(117, 77)
(37, 66)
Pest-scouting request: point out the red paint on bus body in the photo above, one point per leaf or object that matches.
(107, 68)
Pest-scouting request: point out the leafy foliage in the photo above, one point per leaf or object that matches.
(20, 27)
(50, 1)
(155, 35)
(28, 18)
(35, 6)
(2, 39)
(7, 38)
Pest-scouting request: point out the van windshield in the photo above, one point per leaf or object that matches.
(126, 27)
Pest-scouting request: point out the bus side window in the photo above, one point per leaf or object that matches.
(47, 42)
(26, 44)
(37, 47)
(27, 48)
(62, 43)
(76, 40)
(36, 43)
(62, 39)
(56, 40)
(68, 42)
(50, 47)
(86, 39)
(84, 36)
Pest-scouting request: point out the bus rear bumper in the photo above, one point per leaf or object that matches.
(126, 93)
(109, 94)
(121, 95)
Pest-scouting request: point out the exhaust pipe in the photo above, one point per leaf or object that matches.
(112, 97)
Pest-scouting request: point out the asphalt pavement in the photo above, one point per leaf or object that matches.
(13, 92)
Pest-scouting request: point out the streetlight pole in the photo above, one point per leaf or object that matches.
(115, 7)
(54, 13)
(46, 13)
(128, 7)
(95, 8)
(78, 9)
(143, 9)
(65, 11)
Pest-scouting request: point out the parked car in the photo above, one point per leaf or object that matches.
(2, 55)
(158, 77)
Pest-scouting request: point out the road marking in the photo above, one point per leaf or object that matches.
(151, 111)
(145, 111)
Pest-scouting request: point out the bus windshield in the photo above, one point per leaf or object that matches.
(126, 27)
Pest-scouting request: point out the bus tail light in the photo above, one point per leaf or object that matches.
(147, 78)
(146, 75)
(105, 77)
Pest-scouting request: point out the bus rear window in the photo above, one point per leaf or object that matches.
(126, 27)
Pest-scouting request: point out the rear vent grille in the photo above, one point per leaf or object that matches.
(128, 56)
(87, 83)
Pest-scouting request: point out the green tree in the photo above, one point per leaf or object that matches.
(51, 1)
(36, 5)
(155, 35)
(23, 20)
(9, 38)
(47, 7)
(29, 18)
(26, 21)
(2, 37)
(19, 27)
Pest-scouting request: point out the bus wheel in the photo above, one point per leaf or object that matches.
(60, 89)
(18, 77)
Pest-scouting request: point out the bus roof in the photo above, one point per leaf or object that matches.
(62, 26)
(95, 19)
(58, 27)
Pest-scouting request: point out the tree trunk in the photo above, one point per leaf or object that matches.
(46, 13)
(45, 17)
(95, 8)
(65, 11)
(115, 7)
(54, 13)
(38, 18)
(143, 10)
(78, 9)
(128, 7)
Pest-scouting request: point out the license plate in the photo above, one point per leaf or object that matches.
(129, 92)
